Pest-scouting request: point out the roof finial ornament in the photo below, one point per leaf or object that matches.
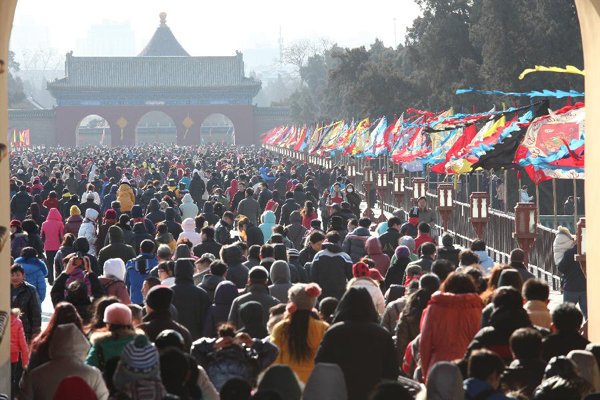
(163, 18)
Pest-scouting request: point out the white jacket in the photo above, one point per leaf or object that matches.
(374, 291)
(189, 231)
(562, 242)
(88, 229)
(188, 208)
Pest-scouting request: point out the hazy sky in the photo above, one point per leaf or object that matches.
(218, 27)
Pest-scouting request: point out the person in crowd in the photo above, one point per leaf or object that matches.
(52, 233)
(249, 207)
(223, 228)
(354, 243)
(24, 297)
(236, 271)
(426, 214)
(526, 372)
(268, 222)
(65, 249)
(315, 244)
(567, 320)
(113, 280)
(389, 240)
(189, 232)
(140, 234)
(166, 272)
(18, 238)
(537, 292)
(34, 270)
(585, 361)
(252, 318)
(19, 204)
(208, 243)
(296, 230)
(449, 322)
(374, 252)
(257, 290)
(188, 208)
(423, 236)
(508, 277)
(479, 248)
(138, 268)
(287, 208)
(33, 237)
(563, 241)
(186, 293)
(202, 266)
(164, 237)
(116, 248)
(357, 335)
(362, 279)
(281, 278)
(517, 259)
(325, 381)
(249, 232)
(395, 274)
(428, 251)
(125, 196)
(410, 227)
(88, 230)
(484, 371)
(67, 351)
(253, 256)
(574, 282)
(448, 251)
(110, 219)
(216, 275)
(219, 310)
(445, 382)
(331, 268)
(74, 220)
(173, 226)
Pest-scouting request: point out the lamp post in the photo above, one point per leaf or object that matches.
(445, 204)
(382, 183)
(526, 227)
(368, 182)
(352, 173)
(399, 188)
(581, 245)
(419, 189)
(479, 211)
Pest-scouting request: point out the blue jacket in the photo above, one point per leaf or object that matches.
(109, 198)
(474, 387)
(485, 261)
(268, 222)
(134, 279)
(35, 274)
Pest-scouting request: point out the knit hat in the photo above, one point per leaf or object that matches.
(115, 267)
(414, 212)
(402, 252)
(74, 210)
(304, 296)
(74, 388)
(293, 253)
(258, 274)
(159, 297)
(117, 314)
(409, 242)
(110, 214)
(375, 274)
(360, 269)
(16, 223)
(139, 360)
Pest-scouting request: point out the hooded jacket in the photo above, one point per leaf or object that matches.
(126, 197)
(389, 241)
(188, 208)
(373, 289)
(189, 231)
(562, 242)
(254, 292)
(445, 382)
(155, 214)
(254, 235)
(73, 224)
(354, 243)
(208, 211)
(109, 198)
(134, 279)
(35, 274)
(268, 222)
(485, 261)
(160, 320)
(448, 325)
(374, 251)
(88, 229)
(523, 375)
(197, 188)
(186, 294)
(68, 349)
(280, 276)
(209, 284)
(326, 381)
(172, 225)
(251, 314)
(218, 312)
(105, 346)
(113, 280)
(288, 207)
(141, 234)
(18, 343)
(331, 269)
(53, 230)
(296, 231)
(449, 253)
(395, 274)
(116, 247)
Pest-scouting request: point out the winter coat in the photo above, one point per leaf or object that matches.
(238, 274)
(109, 198)
(485, 261)
(73, 224)
(209, 284)
(88, 229)
(18, 241)
(188, 208)
(395, 274)
(254, 292)
(19, 205)
(448, 325)
(86, 205)
(58, 258)
(286, 210)
(250, 208)
(331, 269)
(372, 288)
(254, 235)
(427, 215)
(268, 222)
(263, 198)
(538, 313)
(562, 242)
(374, 252)
(354, 243)
(307, 254)
(28, 302)
(523, 375)
(475, 388)
(209, 213)
(222, 232)
(35, 274)
(134, 279)
(207, 246)
(573, 278)
(126, 197)
(197, 188)
(233, 361)
(103, 233)
(189, 232)
(53, 230)
(389, 241)
(424, 262)
(295, 230)
(68, 349)
(18, 343)
(326, 381)
(346, 342)
(449, 253)
(314, 335)
(561, 343)
(172, 225)
(113, 280)
(155, 214)
(421, 239)
(186, 294)
(409, 229)
(159, 320)
(116, 247)
(141, 234)
(218, 312)
(106, 346)
(280, 276)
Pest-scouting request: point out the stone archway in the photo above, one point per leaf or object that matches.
(155, 127)
(217, 128)
(93, 129)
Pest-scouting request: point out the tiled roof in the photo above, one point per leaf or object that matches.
(154, 72)
(163, 43)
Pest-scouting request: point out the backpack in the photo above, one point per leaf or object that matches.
(79, 275)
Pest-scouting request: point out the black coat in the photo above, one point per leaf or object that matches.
(561, 343)
(449, 253)
(19, 205)
(523, 375)
(389, 241)
(264, 197)
(573, 278)
(222, 233)
(207, 246)
(197, 189)
(190, 301)
(157, 321)
(254, 235)
(288, 207)
(28, 302)
(395, 274)
(331, 269)
(365, 353)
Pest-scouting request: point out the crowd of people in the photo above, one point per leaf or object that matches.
(232, 273)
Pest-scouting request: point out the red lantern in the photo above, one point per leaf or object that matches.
(479, 211)
(526, 216)
(445, 205)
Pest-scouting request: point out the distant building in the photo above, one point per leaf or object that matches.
(110, 38)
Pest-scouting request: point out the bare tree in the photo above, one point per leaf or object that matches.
(299, 51)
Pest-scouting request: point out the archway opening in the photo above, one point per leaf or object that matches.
(218, 128)
(92, 130)
(155, 127)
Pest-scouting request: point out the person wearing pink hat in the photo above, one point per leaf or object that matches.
(110, 344)
(363, 278)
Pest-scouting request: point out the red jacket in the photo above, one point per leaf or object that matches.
(448, 325)
(51, 203)
(53, 230)
(18, 344)
(420, 239)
